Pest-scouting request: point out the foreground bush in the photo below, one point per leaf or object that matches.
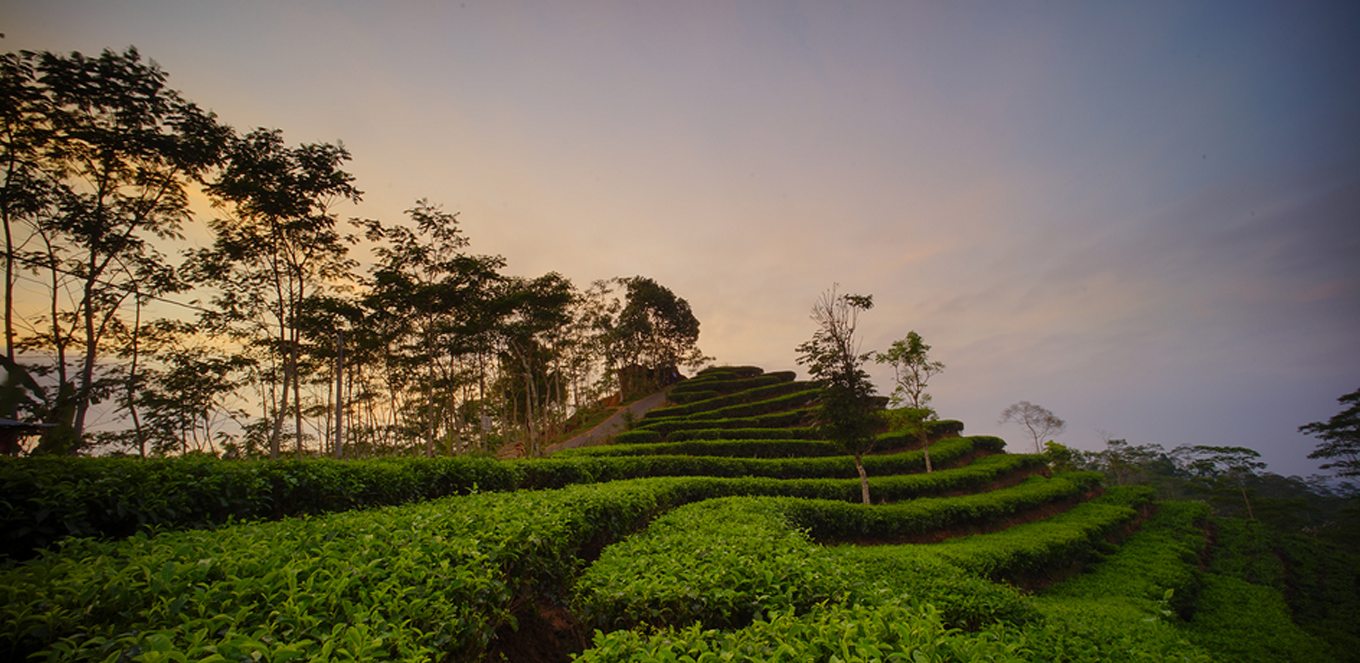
(419, 582)
(50, 498)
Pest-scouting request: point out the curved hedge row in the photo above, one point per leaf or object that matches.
(724, 562)
(800, 433)
(772, 448)
(432, 581)
(755, 394)
(797, 399)
(689, 391)
(48, 499)
(790, 419)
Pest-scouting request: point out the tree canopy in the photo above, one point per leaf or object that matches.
(1340, 437)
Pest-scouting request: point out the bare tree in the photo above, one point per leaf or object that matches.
(1038, 420)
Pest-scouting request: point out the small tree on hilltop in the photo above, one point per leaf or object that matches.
(1040, 422)
(912, 370)
(848, 414)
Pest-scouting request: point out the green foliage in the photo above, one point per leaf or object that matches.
(1251, 623)
(47, 499)
(1319, 581)
(825, 633)
(1156, 564)
(829, 521)
(722, 562)
(635, 436)
(410, 583)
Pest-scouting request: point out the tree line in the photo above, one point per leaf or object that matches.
(1234, 480)
(271, 339)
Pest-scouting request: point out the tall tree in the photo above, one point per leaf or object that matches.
(658, 331)
(848, 413)
(537, 311)
(434, 304)
(277, 246)
(912, 370)
(1036, 419)
(99, 155)
(1340, 437)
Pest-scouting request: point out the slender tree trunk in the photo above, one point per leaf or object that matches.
(132, 379)
(925, 447)
(9, 286)
(339, 393)
(297, 391)
(863, 478)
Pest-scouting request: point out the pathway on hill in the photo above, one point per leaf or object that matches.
(599, 434)
(613, 425)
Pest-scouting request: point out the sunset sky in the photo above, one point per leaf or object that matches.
(1144, 216)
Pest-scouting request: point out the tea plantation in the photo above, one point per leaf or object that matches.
(718, 529)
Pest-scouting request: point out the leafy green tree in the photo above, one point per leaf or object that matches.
(99, 154)
(848, 413)
(1340, 437)
(658, 331)
(276, 247)
(1036, 419)
(912, 370)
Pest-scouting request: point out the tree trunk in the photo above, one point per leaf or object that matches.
(339, 393)
(132, 380)
(925, 447)
(863, 478)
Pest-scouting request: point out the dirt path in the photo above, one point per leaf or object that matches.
(613, 425)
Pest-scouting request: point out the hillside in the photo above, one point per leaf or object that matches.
(718, 528)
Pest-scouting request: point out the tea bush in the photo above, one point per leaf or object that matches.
(775, 389)
(799, 433)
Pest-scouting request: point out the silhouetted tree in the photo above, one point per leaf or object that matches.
(98, 155)
(1340, 437)
(276, 247)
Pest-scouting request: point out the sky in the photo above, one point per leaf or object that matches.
(1143, 216)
